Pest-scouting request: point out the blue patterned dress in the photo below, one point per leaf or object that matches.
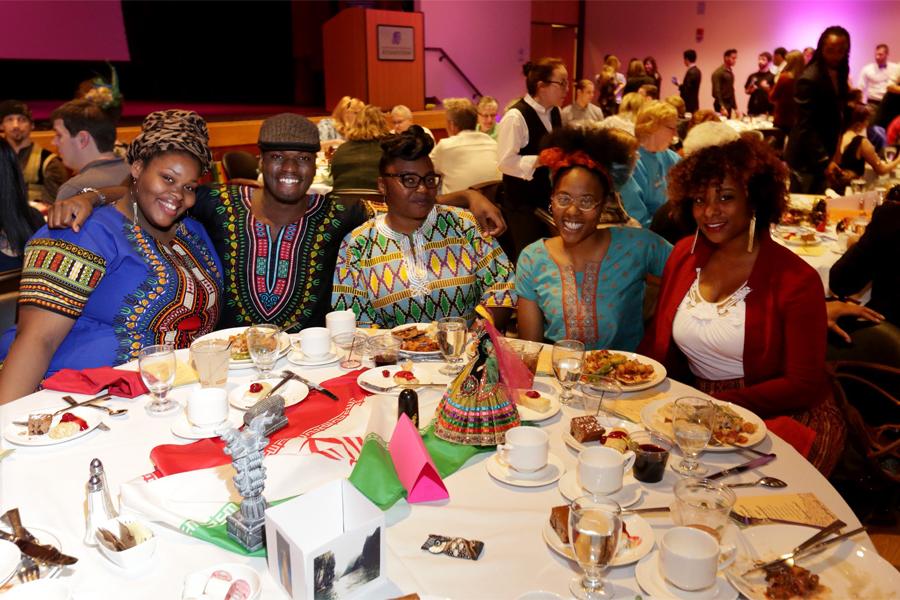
(444, 269)
(123, 289)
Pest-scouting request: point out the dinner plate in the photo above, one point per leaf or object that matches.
(650, 416)
(374, 379)
(659, 372)
(636, 525)
(551, 472)
(650, 578)
(790, 235)
(9, 560)
(607, 422)
(284, 345)
(630, 492)
(427, 327)
(182, 428)
(849, 569)
(18, 434)
(47, 572)
(293, 392)
(529, 414)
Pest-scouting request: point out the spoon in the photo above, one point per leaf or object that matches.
(771, 482)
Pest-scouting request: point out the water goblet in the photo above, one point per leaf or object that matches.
(568, 358)
(693, 421)
(157, 367)
(263, 345)
(594, 527)
(452, 334)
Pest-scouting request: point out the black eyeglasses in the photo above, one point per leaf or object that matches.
(412, 181)
(563, 84)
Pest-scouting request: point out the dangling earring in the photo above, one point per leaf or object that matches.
(696, 235)
(133, 208)
(752, 232)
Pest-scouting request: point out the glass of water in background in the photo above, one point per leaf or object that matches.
(452, 335)
(594, 526)
(568, 359)
(693, 421)
(157, 367)
(263, 345)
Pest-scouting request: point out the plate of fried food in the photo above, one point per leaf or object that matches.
(417, 339)
(631, 370)
(735, 425)
(240, 354)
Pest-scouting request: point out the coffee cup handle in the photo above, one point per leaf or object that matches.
(629, 460)
(503, 453)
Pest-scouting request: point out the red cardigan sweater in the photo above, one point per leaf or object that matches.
(784, 334)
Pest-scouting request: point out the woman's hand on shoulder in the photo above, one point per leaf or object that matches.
(70, 213)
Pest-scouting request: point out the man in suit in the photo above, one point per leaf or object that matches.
(724, 101)
(689, 88)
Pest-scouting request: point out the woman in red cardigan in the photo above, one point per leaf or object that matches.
(738, 314)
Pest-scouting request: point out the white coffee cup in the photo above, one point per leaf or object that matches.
(526, 449)
(315, 342)
(601, 470)
(689, 558)
(207, 407)
(340, 321)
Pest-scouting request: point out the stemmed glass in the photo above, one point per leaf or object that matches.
(568, 358)
(262, 343)
(600, 388)
(594, 527)
(452, 333)
(157, 367)
(693, 421)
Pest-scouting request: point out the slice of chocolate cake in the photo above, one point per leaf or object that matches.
(586, 429)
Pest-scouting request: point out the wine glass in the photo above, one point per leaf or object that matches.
(157, 367)
(693, 421)
(594, 527)
(568, 358)
(262, 343)
(452, 333)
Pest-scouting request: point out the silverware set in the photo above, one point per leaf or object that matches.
(34, 553)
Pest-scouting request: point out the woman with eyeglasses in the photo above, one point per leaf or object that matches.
(526, 184)
(420, 261)
(655, 128)
(586, 283)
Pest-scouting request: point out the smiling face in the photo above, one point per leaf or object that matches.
(165, 187)
(288, 174)
(723, 212)
(407, 207)
(579, 185)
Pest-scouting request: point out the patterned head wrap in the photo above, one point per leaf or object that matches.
(168, 130)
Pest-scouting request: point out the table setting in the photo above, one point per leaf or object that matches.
(572, 488)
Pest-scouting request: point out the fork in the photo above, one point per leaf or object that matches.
(748, 521)
(28, 570)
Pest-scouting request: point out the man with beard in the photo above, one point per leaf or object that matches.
(43, 170)
(278, 244)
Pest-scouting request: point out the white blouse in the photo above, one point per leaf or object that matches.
(711, 334)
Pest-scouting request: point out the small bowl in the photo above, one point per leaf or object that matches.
(132, 558)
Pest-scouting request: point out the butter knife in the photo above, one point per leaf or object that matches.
(317, 387)
(756, 462)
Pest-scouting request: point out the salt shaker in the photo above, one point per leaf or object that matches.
(98, 470)
(96, 510)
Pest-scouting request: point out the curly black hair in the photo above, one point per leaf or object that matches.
(604, 146)
(410, 145)
(751, 163)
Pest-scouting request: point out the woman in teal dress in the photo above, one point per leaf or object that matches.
(655, 127)
(137, 273)
(586, 283)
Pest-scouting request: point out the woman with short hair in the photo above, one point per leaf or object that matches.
(354, 165)
(487, 116)
(655, 127)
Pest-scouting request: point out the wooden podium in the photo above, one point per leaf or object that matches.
(376, 56)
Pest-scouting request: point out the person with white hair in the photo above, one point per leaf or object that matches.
(467, 157)
(711, 133)
(402, 119)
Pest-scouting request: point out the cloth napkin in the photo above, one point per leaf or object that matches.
(184, 374)
(793, 432)
(817, 250)
(315, 413)
(125, 384)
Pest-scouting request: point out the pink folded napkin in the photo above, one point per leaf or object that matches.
(125, 384)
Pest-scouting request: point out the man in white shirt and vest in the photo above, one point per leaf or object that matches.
(42, 169)
(875, 77)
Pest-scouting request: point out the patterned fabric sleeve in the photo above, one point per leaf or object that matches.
(525, 283)
(59, 276)
(494, 270)
(349, 290)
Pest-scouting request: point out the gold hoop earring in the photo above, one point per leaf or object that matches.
(752, 231)
(696, 235)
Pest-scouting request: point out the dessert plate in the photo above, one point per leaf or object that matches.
(607, 422)
(551, 472)
(636, 526)
(629, 494)
(529, 414)
(18, 434)
(292, 392)
(374, 379)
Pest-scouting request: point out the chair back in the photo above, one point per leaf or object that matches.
(240, 165)
(9, 296)
(488, 188)
(373, 199)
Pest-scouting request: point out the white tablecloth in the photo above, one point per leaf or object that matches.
(47, 484)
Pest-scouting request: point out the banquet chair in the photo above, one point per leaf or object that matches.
(373, 199)
(240, 165)
(488, 188)
(9, 295)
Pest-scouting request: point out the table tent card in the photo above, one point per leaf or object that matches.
(414, 465)
(328, 543)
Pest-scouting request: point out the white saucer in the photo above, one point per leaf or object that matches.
(183, 429)
(550, 473)
(298, 358)
(635, 524)
(652, 582)
(629, 494)
(292, 392)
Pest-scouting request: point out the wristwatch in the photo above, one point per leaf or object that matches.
(101, 199)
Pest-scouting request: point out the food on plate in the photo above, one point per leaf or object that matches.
(730, 428)
(792, 582)
(627, 541)
(603, 363)
(559, 521)
(617, 439)
(39, 424)
(70, 418)
(239, 350)
(68, 426)
(586, 429)
(222, 585)
(405, 378)
(416, 339)
(257, 390)
(534, 400)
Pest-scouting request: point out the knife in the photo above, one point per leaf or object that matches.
(792, 557)
(317, 387)
(756, 462)
(22, 538)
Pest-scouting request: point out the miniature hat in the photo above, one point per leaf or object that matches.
(288, 131)
(14, 107)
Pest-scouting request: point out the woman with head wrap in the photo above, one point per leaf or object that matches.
(137, 273)
(586, 283)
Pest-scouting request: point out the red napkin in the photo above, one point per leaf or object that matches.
(314, 414)
(125, 384)
(794, 433)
